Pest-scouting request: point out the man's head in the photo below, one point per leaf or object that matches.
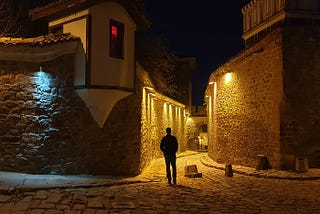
(168, 130)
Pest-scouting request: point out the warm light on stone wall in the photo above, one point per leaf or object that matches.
(158, 113)
(243, 99)
(228, 78)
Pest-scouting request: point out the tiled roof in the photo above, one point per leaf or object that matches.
(59, 8)
(37, 41)
(54, 7)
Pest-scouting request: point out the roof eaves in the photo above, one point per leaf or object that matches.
(59, 8)
(37, 41)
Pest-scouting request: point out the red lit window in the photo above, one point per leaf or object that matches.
(116, 39)
(114, 32)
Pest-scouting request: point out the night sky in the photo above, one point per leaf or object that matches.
(209, 30)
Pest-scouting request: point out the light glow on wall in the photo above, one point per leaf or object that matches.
(164, 105)
(228, 78)
(44, 91)
(42, 79)
(158, 113)
(148, 88)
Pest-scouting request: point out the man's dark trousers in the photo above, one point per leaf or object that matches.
(171, 160)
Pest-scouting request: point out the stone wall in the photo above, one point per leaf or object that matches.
(243, 114)
(33, 108)
(300, 114)
(158, 113)
(271, 105)
(46, 128)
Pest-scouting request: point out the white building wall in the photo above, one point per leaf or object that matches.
(105, 70)
(76, 24)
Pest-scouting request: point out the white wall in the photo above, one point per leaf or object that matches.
(105, 70)
(76, 24)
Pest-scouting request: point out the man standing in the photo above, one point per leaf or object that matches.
(169, 147)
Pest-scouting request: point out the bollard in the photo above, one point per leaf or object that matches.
(228, 170)
(262, 163)
(302, 164)
(191, 171)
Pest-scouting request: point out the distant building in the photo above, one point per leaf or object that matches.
(196, 116)
(197, 129)
(265, 100)
(184, 68)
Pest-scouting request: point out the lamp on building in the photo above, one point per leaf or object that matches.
(149, 88)
(153, 95)
(228, 78)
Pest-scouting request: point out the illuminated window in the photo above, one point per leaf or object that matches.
(116, 39)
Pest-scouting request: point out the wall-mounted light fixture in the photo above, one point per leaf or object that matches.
(228, 78)
(152, 94)
(149, 88)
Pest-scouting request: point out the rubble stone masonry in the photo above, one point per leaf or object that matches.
(158, 113)
(244, 113)
(45, 127)
(271, 105)
(300, 111)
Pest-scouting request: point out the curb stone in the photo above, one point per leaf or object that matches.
(21, 188)
(271, 174)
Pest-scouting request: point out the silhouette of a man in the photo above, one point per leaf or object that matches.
(169, 147)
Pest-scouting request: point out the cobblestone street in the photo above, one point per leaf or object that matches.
(149, 193)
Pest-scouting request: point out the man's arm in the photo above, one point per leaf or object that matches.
(176, 144)
(162, 146)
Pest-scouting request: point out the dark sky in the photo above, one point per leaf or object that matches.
(209, 30)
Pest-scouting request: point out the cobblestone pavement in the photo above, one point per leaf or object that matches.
(149, 193)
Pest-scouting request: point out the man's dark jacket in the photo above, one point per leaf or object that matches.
(169, 145)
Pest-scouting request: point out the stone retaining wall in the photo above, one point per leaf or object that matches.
(271, 105)
(244, 117)
(158, 113)
(45, 127)
(300, 111)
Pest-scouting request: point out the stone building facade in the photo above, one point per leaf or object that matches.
(184, 66)
(265, 100)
